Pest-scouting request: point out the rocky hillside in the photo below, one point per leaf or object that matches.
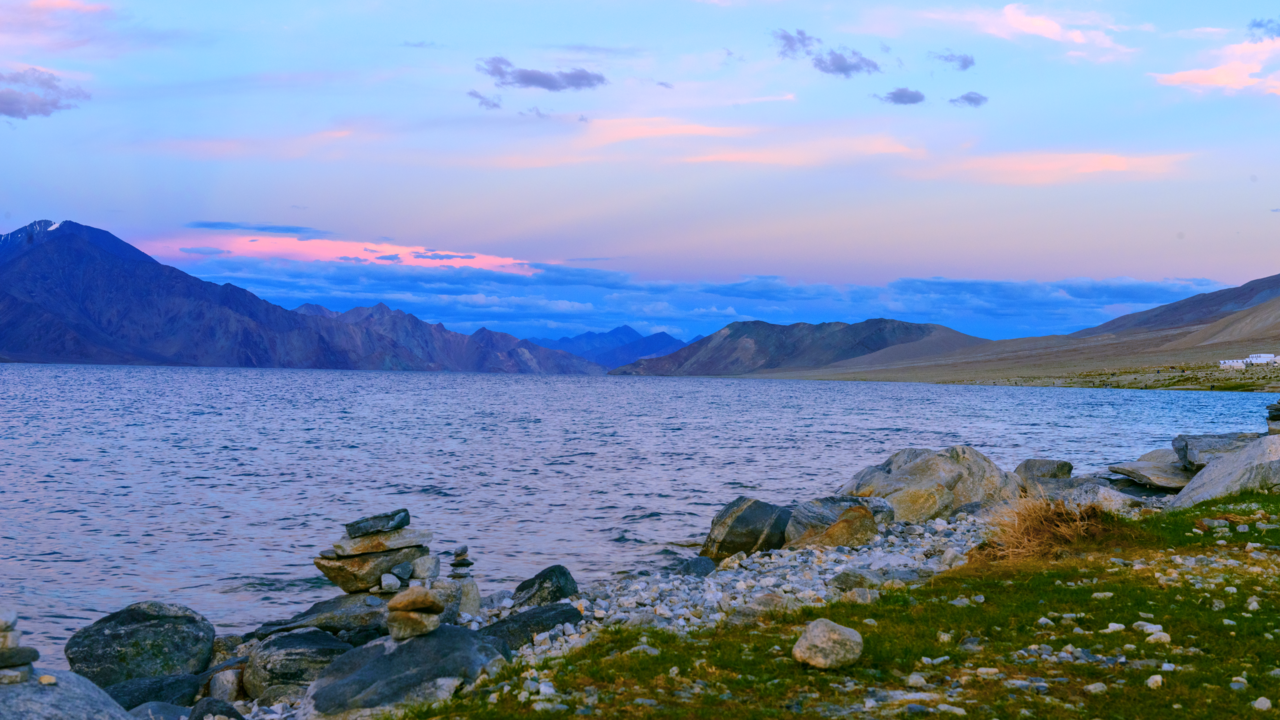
(754, 347)
(1196, 310)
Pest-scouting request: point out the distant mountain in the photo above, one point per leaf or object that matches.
(76, 294)
(1196, 310)
(656, 345)
(1260, 322)
(753, 347)
(590, 343)
(316, 310)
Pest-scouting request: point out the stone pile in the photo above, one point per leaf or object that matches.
(379, 554)
(1273, 419)
(15, 660)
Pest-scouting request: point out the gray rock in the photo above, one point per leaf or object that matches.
(495, 600)
(550, 585)
(922, 484)
(1256, 466)
(385, 522)
(746, 525)
(161, 711)
(517, 630)
(172, 690)
(352, 613)
(385, 673)
(824, 644)
(72, 698)
(215, 707)
(1036, 468)
(697, 566)
(426, 567)
(15, 656)
(1161, 475)
(854, 578)
(292, 658)
(469, 596)
(381, 542)
(820, 513)
(1101, 497)
(1196, 451)
(287, 694)
(452, 592)
(146, 639)
(360, 572)
(1168, 456)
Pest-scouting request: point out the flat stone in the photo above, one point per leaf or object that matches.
(1164, 456)
(385, 522)
(404, 625)
(1162, 475)
(826, 645)
(550, 585)
(381, 542)
(71, 698)
(517, 630)
(361, 572)
(419, 599)
(817, 515)
(215, 707)
(16, 656)
(746, 525)
(146, 639)
(15, 675)
(345, 613)
(291, 658)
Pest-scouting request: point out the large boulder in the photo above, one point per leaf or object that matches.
(746, 525)
(826, 645)
(146, 639)
(293, 658)
(1256, 466)
(384, 673)
(1042, 469)
(922, 484)
(855, 526)
(361, 572)
(1155, 474)
(170, 690)
(71, 698)
(346, 613)
(550, 585)
(1197, 451)
(515, 631)
(818, 514)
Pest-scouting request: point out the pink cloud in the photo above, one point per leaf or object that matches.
(1238, 64)
(1014, 20)
(1053, 168)
(609, 131)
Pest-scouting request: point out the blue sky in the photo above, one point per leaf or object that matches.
(554, 167)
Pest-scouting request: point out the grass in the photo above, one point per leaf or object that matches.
(747, 672)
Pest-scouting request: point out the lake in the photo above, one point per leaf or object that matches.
(214, 488)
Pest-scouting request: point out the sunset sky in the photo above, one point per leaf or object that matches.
(546, 168)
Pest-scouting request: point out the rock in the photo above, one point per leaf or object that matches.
(1256, 466)
(826, 645)
(292, 658)
(426, 567)
(1095, 688)
(361, 572)
(404, 625)
(381, 542)
(71, 698)
(224, 647)
(1155, 681)
(335, 615)
(385, 522)
(746, 525)
(1196, 451)
(226, 685)
(1262, 704)
(854, 578)
(922, 484)
(1038, 469)
(215, 707)
(819, 514)
(385, 673)
(760, 606)
(161, 711)
(418, 599)
(390, 583)
(854, 527)
(1102, 497)
(469, 596)
(452, 594)
(15, 675)
(173, 689)
(494, 600)
(15, 656)
(861, 596)
(551, 585)
(146, 639)
(517, 630)
(697, 567)
(1163, 475)
(1164, 456)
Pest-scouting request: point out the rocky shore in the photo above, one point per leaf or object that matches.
(402, 633)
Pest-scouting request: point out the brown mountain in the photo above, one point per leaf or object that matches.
(759, 347)
(1199, 309)
(1260, 322)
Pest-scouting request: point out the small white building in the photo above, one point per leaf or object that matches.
(1262, 359)
(1232, 364)
(1255, 359)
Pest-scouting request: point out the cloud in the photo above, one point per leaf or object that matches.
(389, 258)
(35, 92)
(441, 256)
(1014, 20)
(508, 75)
(302, 232)
(1265, 28)
(666, 85)
(961, 61)
(903, 96)
(1238, 64)
(846, 63)
(792, 46)
(1044, 168)
(204, 251)
(349, 259)
(969, 99)
(493, 103)
(60, 25)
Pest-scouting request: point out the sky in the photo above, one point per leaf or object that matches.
(555, 167)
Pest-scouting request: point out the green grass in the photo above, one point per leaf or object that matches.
(747, 672)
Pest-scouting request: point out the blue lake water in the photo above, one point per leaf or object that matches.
(214, 488)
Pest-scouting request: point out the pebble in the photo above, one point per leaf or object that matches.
(1095, 688)
(1262, 704)
(1155, 681)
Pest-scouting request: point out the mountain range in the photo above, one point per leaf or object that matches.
(620, 346)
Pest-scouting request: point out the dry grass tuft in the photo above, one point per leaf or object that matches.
(1038, 527)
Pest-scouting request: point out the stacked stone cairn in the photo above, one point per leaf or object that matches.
(1273, 419)
(380, 554)
(15, 660)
